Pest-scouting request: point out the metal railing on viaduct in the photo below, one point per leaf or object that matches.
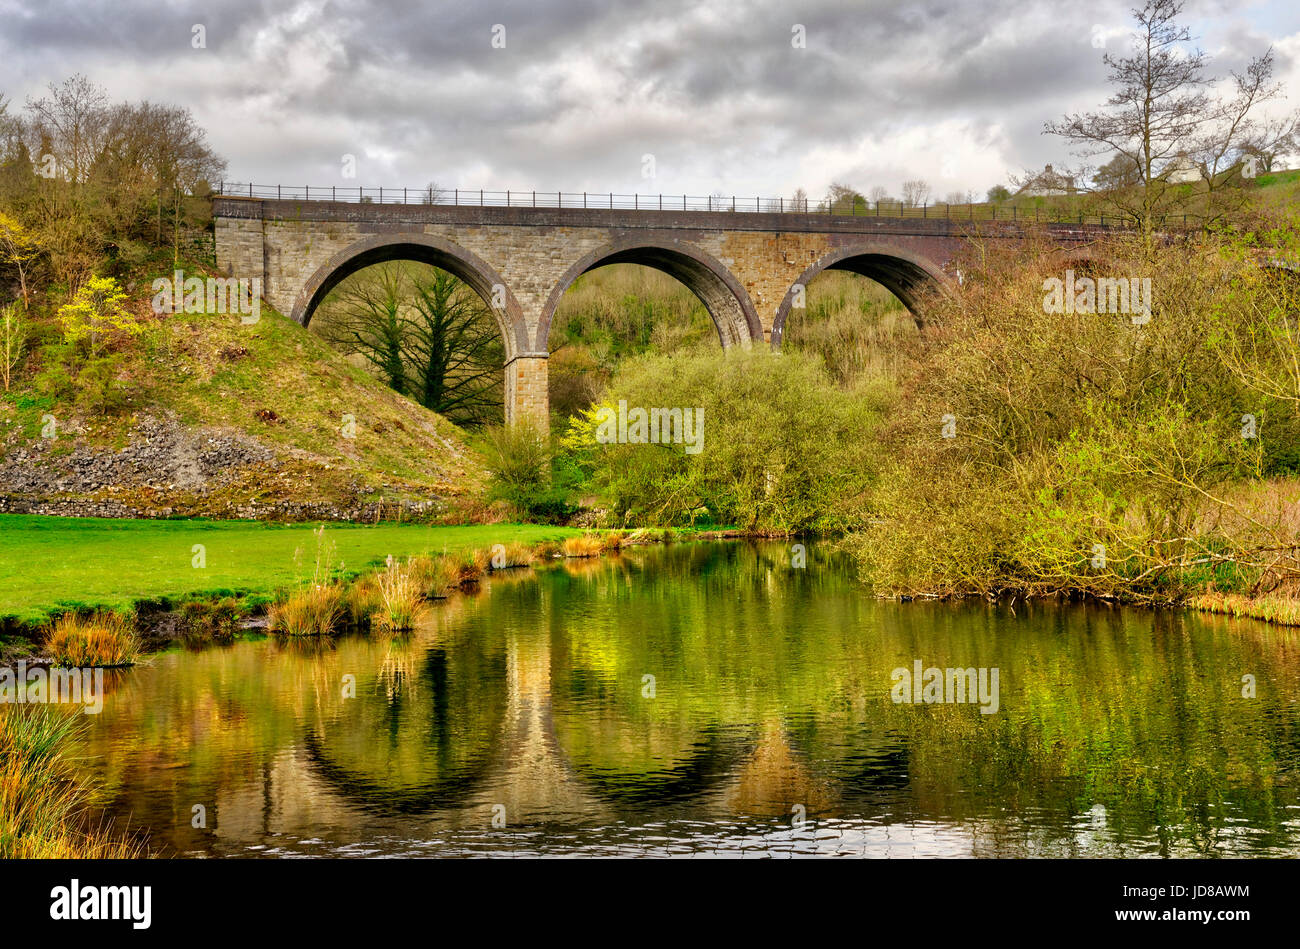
(591, 200)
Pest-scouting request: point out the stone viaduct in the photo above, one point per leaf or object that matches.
(747, 268)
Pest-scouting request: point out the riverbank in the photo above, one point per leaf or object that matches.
(50, 565)
(45, 805)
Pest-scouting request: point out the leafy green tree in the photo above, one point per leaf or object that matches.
(778, 446)
(19, 247)
(97, 315)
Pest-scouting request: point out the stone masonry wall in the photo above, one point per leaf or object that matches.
(534, 249)
(527, 392)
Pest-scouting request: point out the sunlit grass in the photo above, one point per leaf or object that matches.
(100, 639)
(1282, 610)
(44, 802)
(513, 555)
(401, 596)
(313, 611)
(113, 564)
(437, 576)
(588, 545)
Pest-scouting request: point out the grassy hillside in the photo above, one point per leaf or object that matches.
(203, 415)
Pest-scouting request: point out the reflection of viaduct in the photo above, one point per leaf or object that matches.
(752, 771)
(744, 267)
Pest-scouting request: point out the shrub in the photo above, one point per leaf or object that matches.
(784, 448)
(97, 316)
(520, 464)
(1086, 452)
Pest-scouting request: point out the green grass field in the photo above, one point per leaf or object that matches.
(48, 564)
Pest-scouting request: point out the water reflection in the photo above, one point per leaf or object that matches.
(702, 699)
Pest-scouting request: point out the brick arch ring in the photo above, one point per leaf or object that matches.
(724, 298)
(905, 274)
(424, 248)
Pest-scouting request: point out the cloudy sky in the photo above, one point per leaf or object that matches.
(953, 91)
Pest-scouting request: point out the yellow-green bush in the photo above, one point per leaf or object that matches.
(1089, 452)
(783, 447)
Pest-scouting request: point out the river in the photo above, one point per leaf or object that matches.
(712, 699)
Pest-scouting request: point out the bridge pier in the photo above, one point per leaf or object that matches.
(527, 394)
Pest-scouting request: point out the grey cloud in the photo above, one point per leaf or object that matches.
(583, 88)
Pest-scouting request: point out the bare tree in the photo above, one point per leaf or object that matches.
(455, 351)
(1160, 112)
(843, 199)
(1275, 142)
(915, 193)
(364, 316)
(432, 193)
(1233, 134)
(70, 125)
(1117, 174)
(107, 175)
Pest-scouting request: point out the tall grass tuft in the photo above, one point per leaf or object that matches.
(204, 620)
(548, 550)
(401, 596)
(513, 555)
(317, 606)
(473, 564)
(584, 545)
(101, 639)
(361, 600)
(44, 804)
(313, 611)
(437, 576)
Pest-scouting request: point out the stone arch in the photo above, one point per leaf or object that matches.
(424, 248)
(723, 296)
(905, 274)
